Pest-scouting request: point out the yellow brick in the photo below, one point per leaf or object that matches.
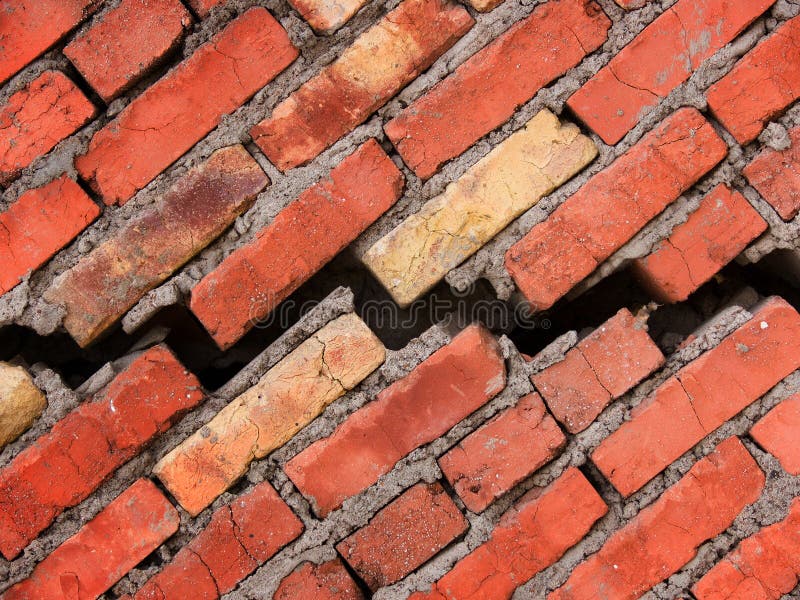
(21, 402)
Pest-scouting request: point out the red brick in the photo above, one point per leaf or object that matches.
(203, 7)
(498, 455)
(373, 69)
(127, 43)
(696, 250)
(776, 176)
(304, 236)
(761, 85)
(157, 242)
(613, 206)
(631, 4)
(156, 129)
(764, 566)
(408, 414)
(658, 60)
(665, 536)
(601, 368)
(486, 89)
(30, 27)
(40, 223)
(778, 431)
(105, 549)
(241, 536)
(530, 537)
(64, 466)
(36, 118)
(403, 535)
(328, 581)
(702, 396)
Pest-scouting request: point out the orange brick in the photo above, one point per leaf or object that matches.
(777, 432)
(40, 223)
(328, 581)
(203, 7)
(702, 396)
(665, 536)
(696, 250)
(373, 69)
(605, 213)
(326, 16)
(156, 129)
(776, 176)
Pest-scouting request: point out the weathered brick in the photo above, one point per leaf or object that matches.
(702, 396)
(764, 566)
(413, 257)
(105, 549)
(40, 223)
(61, 468)
(36, 118)
(408, 414)
(403, 535)
(156, 129)
(203, 7)
(241, 536)
(374, 68)
(761, 85)
(30, 27)
(288, 397)
(658, 60)
(631, 4)
(665, 536)
(304, 236)
(531, 536)
(326, 16)
(486, 89)
(127, 43)
(157, 242)
(601, 368)
(778, 431)
(21, 402)
(498, 455)
(776, 176)
(328, 581)
(605, 213)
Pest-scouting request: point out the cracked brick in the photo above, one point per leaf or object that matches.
(21, 402)
(155, 243)
(445, 388)
(288, 397)
(326, 16)
(776, 176)
(327, 581)
(604, 214)
(412, 258)
(63, 467)
(380, 62)
(488, 87)
(155, 129)
(302, 238)
(777, 433)
(665, 536)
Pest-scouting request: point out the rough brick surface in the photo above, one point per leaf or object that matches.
(702, 396)
(760, 86)
(605, 213)
(104, 549)
(40, 223)
(328, 581)
(486, 89)
(696, 250)
(64, 466)
(764, 566)
(531, 536)
(36, 118)
(156, 129)
(409, 413)
(776, 176)
(127, 43)
(241, 536)
(203, 7)
(403, 535)
(659, 59)
(778, 432)
(21, 402)
(498, 455)
(326, 16)
(373, 69)
(304, 236)
(288, 397)
(151, 246)
(664, 536)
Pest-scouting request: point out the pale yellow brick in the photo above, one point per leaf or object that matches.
(21, 402)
